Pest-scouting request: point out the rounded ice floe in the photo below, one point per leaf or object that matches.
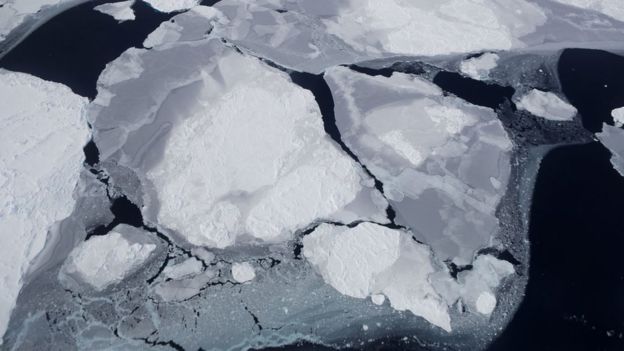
(378, 299)
(121, 11)
(370, 259)
(444, 163)
(486, 302)
(108, 259)
(243, 272)
(547, 105)
(41, 140)
(479, 67)
(618, 117)
(172, 5)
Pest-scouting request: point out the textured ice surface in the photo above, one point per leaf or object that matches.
(613, 139)
(547, 105)
(14, 12)
(41, 139)
(243, 272)
(612, 8)
(121, 11)
(172, 5)
(479, 67)
(444, 163)
(618, 116)
(183, 269)
(105, 260)
(189, 26)
(370, 259)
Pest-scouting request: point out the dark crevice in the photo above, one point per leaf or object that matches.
(386, 72)
(92, 154)
(474, 91)
(504, 255)
(455, 269)
(172, 344)
(255, 318)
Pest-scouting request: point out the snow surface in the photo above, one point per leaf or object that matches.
(613, 138)
(121, 11)
(370, 259)
(618, 117)
(612, 8)
(41, 139)
(243, 272)
(436, 156)
(108, 259)
(172, 5)
(479, 67)
(547, 105)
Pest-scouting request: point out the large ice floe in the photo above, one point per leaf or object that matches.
(547, 105)
(613, 138)
(15, 12)
(444, 163)
(41, 139)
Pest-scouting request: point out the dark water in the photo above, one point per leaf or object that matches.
(575, 292)
(473, 91)
(593, 81)
(74, 47)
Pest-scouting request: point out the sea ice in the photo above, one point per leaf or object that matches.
(172, 5)
(479, 67)
(243, 272)
(14, 12)
(546, 105)
(370, 259)
(191, 25)
(618, 117)
(41, 139)
(188, 267)
(612, 8)
(121, 11)
(108, 259)
(444, 163)
(613, 139)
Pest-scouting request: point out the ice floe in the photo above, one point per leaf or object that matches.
(444, 163)
(547, 105)
(189, 26)
(172, 5)
(612, 8)
(183, 269)
(243, 272)
(108, 259)
(613, 139)
(121, 11)
(479, 67)
(618, 116)
(14, 12)
(41, 139)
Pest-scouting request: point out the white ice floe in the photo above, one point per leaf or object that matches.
(546, 105)
(172, 5)
(613, 138)
(41, 139)
(370, 259)
(479, 67)
(612, 8)
(108, 259)
(15, 12)
(183, 269)
(121, 11)
(243, 272)
(436, 156)
(191, 25)
(378, 299)
(618, 116)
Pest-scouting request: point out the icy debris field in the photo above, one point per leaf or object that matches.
(266, 173)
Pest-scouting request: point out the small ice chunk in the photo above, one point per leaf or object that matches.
(172, 5)
(186, 268)
(486, 302)
(547, 105)
(243, 272)
(613, 138)
(364, 327)
(108, 259)
(618, 117)
(121, 11)
(378, 299)
(479, 67)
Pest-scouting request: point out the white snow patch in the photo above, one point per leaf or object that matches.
(243, 272)
(618, 116)
(613, 138)
(479, 67)
(188, 267)
(172, 5)
(41, 139)
(121, 11)
(611, 8)
(370, 259)
(486, 302)
(107, 259)
(378, 299)
(547, 105)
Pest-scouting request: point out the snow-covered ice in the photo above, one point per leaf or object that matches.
(121, 11)
(444, 163)
(547, 105)
(41, 139)
(613, 138)
(612, 8)
(243, 272)
(190, 266)
(618, 116)
(370, 259)
(188, 26)
(108, 259)
(172, 5)
(14, 12)
(479, 67)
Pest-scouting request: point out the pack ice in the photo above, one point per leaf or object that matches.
(41, 139)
